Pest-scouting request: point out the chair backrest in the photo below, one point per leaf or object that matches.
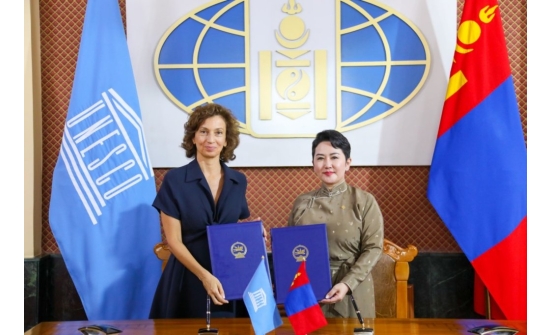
(162, 250)
(393, 295)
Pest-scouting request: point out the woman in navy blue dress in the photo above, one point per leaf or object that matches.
(204, 192)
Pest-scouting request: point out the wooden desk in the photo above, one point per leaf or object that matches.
(243, 326)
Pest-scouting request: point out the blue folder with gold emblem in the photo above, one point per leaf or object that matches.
(236, 249)
(289, 246)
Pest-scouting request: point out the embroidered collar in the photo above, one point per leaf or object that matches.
(338, 189)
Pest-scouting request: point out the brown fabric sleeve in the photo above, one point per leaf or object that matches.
(372, 242)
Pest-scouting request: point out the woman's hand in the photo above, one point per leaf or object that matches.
(264, 232)
(337, 293)
(214, 289)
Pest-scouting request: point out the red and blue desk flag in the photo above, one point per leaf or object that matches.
(478, 177)
(302, 309)
(103, 183)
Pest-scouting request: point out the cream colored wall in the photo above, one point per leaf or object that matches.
(33, 133)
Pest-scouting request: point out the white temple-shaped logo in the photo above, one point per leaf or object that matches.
(258, 299)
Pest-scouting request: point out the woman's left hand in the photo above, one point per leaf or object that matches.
(337, 293)
(264, 232)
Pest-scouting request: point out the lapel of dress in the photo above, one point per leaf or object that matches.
(194, 174)
(229, 185)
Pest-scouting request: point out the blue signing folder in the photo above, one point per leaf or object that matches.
(289, 245)
(236, 249)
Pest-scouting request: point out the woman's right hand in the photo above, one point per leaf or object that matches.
(214, 289)
(336, 294)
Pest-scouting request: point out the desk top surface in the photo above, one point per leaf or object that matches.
(240, 326)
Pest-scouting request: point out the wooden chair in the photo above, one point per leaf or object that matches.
(394, 296)
(162, 250)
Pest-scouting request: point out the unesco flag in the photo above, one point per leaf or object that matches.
(260, 302)
(103, 184)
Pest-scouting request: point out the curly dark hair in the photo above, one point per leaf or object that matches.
(197, 118)
(336, 139)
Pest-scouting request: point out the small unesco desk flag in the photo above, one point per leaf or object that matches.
(103, 184)
(260, 302)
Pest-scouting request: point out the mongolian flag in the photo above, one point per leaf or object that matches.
(303, 310)
(478, 176)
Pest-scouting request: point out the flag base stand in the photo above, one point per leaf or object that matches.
(99, 330)
(493, 330)
(208, 331)
(363, 331)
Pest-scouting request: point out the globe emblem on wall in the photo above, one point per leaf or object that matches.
(201, 58)
(384, 47)
(381, 61)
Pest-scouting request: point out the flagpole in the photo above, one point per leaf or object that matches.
(487, 304)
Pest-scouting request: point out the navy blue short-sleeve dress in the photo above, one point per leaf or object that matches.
(185, 195)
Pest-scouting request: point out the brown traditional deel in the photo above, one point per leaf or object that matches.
(394, 296)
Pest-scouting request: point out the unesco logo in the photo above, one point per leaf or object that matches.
(374, 62)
